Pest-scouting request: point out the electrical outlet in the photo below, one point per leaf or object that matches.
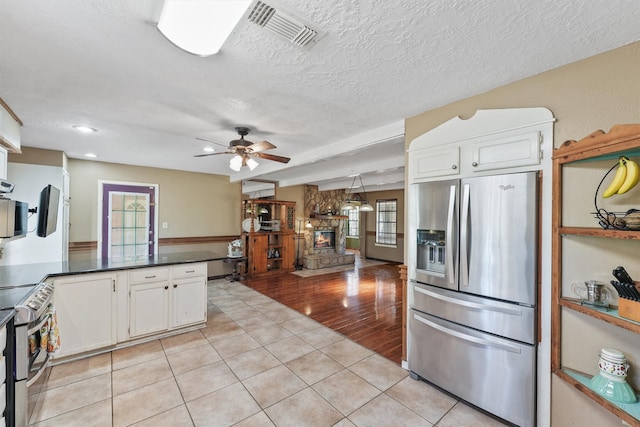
(165, 224)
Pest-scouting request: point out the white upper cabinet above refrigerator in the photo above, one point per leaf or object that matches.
(506, 140)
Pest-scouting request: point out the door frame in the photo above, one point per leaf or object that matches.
(154, 220)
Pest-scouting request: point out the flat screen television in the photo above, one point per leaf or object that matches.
(48, 210)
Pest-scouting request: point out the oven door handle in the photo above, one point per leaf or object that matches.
(33, 379)
(38, 326)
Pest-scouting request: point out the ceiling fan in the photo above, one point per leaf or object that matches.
(245, 151)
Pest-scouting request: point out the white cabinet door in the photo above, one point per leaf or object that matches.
(3, 162)
(149, 308)
(189, 301)
(86, 312)
(430, 162)
(520, 150)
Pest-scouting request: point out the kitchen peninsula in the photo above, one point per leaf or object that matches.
(104, 304)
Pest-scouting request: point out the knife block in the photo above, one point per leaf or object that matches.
(629, 309)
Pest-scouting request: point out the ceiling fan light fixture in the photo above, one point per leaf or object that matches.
(236, 163)
(252, 163)
(200, 27)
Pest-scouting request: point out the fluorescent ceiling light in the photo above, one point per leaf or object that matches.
(200, 27)
(84, 129)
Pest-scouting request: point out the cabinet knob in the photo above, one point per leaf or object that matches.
(474, 164)
(175, 286)
(454, 167)
(166, 287)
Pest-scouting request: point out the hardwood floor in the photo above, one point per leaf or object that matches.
(364, 304)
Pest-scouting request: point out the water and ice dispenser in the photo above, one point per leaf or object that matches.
(431, 251)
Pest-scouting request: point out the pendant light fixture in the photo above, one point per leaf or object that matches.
(348, 203)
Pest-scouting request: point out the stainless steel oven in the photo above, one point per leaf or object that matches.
(33, 317)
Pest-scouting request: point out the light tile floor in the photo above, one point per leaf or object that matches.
(256, 363)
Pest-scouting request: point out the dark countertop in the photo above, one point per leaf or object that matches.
(22, 275)
(5, 316)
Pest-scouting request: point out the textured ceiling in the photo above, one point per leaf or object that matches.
(104, 64)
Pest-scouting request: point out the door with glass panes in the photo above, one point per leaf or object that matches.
(128, 221)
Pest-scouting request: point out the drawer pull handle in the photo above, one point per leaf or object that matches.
(469, 304)
(190, 271)
(470, 338)
(150, 277)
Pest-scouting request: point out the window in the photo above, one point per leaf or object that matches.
(353, 222)
(386, 221)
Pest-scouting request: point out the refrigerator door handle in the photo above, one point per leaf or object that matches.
(469, 304)
(464, 237)
(449, 236)
(469, 338)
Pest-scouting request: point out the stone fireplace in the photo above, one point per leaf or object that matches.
(321, 208)
(325, 244)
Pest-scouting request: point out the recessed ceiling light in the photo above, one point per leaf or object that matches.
(84, 129)
(208, 149)
(91, 155)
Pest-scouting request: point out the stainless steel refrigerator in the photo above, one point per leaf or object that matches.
(473, 302)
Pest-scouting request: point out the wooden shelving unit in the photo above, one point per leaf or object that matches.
(271, 249)
(623, 139)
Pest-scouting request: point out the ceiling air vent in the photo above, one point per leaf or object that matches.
(287, 26)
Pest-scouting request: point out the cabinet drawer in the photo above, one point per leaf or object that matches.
(144, 275)
(189, 270)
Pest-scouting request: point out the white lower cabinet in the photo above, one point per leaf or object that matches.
(86, 309)
(148, 308)
(105, 310)
(178, 300)
(189, 301)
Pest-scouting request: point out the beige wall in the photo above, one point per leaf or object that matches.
(592, 94)
(295, 193)
(38, 156)
(379, 252)
(193, 204)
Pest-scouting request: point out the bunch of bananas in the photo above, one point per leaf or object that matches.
(627, 176)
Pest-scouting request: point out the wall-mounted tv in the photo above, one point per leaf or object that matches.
(48, 210)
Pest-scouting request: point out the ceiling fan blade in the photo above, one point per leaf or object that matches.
(273, 157)
(256, 147)
(211, 142)
(214, 154)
